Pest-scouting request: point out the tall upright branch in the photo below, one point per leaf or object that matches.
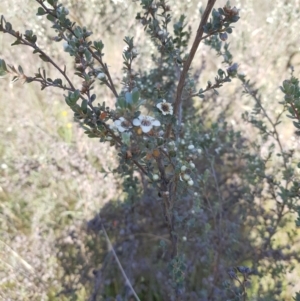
(187, 63)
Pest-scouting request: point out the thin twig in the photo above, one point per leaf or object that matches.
(111, 248)
(37, 49)
(110, 83)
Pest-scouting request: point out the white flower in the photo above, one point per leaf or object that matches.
(184, 238)
(145, 122)
(101, 75)
(192, 164)
(114, 128)
(165, 107)
(122, 124)
(191, 146)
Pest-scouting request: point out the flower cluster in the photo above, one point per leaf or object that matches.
(185, 176)
(146, 123)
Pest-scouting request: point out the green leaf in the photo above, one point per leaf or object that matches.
(57, 81)
(88, 55)
(30, 37)
(28, 33)
(44, 58)
(128, 97)
(20, 70)
(221, 72)
(8, 26)
(297, 298)
(84, 106)
(126, 137)
(76, 95)
(40, 12)
(50, 18)
(121, 103)
(15, 78)
(298, 223)
(221, 11)
(51, 2)
(33, 39)
(99, 45)
(93, 97)
(135, 95)
(17, 42)
(78, 32)
(296, 124)
(3, 65)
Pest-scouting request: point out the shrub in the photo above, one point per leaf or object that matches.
(206, 208)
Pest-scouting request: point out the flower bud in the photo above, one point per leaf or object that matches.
(183, 168)
(190, 182)
(155, 177)
(223, 36)
(101, 75)
(232, 70)
(186, 177)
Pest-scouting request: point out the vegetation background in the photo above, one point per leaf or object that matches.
(53, 179)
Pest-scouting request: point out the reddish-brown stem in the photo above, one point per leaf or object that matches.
(190, 58)
(187, 63)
